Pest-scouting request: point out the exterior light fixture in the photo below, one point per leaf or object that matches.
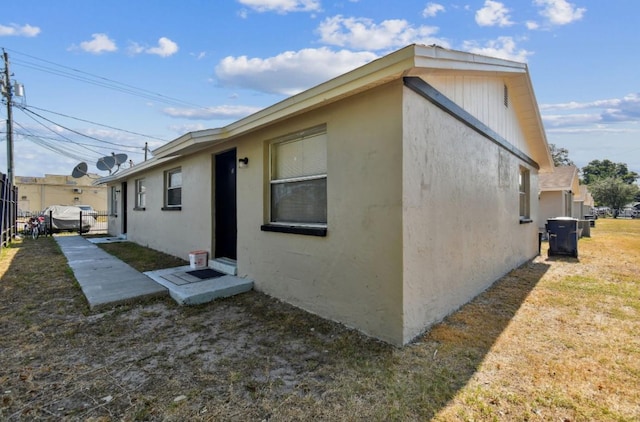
(244, 162)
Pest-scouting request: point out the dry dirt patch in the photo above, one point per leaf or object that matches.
(553, 340)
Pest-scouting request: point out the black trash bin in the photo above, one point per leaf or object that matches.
(563, 236)
(592, 219)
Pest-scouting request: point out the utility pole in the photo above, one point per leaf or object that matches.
(8, 93)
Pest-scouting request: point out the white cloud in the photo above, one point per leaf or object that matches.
(165, 48)
(503, 47)
(282, 6)
(590, 130)
(135, 48)
(532, 25)
(560, 12)
(100, 43)
(14, 30)
(574, 105)
(290, 72)
(493, 13)
(563, 120)
(212, 113)
(182, 129)
(362, 33)
(614, 110)
(432, 9)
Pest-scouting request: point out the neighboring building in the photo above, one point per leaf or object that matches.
(583, 203)
(557, 190)
(384, 199)
(37, 193)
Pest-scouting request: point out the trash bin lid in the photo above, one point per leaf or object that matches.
(562, 218)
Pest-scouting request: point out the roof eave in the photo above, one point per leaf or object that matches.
(128, 172)
(395, 65)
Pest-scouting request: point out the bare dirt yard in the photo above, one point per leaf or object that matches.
(555, 340)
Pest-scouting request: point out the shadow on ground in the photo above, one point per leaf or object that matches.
(249, 357)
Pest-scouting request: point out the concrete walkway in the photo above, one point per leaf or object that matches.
(105, 280)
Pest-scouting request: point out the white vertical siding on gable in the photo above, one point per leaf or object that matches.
(483, 97)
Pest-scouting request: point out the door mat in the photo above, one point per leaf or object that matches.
(206, 273)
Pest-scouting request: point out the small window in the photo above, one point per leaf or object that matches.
(525, 190)
(141, 200)
(299, 180)
(173, 184)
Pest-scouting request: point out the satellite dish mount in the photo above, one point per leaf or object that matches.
(106, 163)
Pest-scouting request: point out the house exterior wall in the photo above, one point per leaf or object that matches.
(552, 204)
(354, 274)
(181, 231)
(452, 252)
(577, 210)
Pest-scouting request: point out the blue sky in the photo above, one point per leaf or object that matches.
(104, 77)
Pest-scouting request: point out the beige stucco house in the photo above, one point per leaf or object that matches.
(583, 203)
(557, 192)
(351, 199)
(37, 193)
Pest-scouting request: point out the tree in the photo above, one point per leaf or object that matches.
(560, 156)
(612, 192)
(597, 169)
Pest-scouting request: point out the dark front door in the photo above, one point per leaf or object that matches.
(225, 207)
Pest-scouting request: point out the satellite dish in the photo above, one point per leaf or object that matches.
(120, 158)
(79, 170)
(106, 163)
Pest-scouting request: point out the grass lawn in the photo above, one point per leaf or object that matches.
(554, 340)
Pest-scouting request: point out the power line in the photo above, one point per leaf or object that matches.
(98, 124)
(26, 110)
(54, 148)
(63, 145)
(41, 141)
(135, 149)
(60, 135)
(101, 81)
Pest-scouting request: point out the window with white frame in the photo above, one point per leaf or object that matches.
(298, 181)
(113, 201)
(141, 194)
(173, 188)
(525, 194)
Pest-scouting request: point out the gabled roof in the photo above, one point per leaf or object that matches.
(563, 178)
(584, 196)
(413, 60)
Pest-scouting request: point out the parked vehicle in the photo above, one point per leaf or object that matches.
(67, 218)
(628, 213)
(88, 210)
(603, 212)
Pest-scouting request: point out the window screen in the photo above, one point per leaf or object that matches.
(299, 180)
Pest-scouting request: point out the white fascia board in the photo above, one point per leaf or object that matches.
(186, 141)
(131, 171)
(376, 72)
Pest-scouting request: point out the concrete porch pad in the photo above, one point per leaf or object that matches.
(188, 290)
